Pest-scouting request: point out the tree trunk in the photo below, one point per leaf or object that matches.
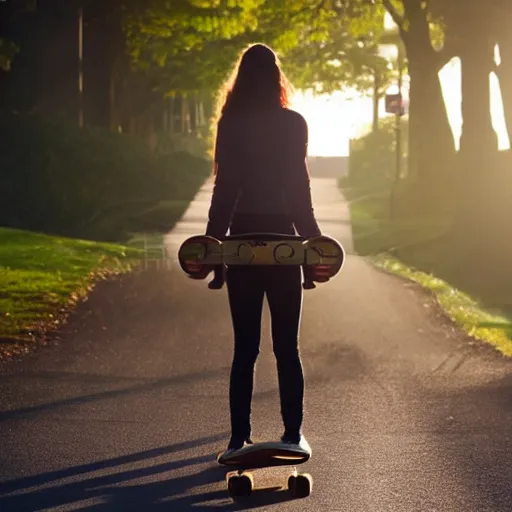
(80, 57)
(165, 117)
(178, 113)
(376, 99)
(152, 131)
(192, 107)
(432, 146)
(171, 115)
(208, 107)
(113, 118)
(505, 75)
(478, 140)
(431, 142)
(478, 155)
(184, 117)
(201, 116)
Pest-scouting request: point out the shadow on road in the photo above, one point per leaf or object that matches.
(475, 427)
(101, 485)
(113, 393)
(165, 496)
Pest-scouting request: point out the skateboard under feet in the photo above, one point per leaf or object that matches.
(240, 481)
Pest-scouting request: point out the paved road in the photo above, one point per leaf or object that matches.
(129, 410)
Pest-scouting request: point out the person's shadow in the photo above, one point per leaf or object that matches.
(99, 487)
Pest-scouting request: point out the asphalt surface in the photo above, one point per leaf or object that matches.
(129, 409)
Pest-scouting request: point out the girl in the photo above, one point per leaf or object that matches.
(262, 185)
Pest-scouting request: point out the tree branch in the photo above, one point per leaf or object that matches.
(399, 20)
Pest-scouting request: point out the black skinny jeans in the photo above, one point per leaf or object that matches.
(247, 287)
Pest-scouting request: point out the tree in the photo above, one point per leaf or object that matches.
(503, 70)
(187, 40)
(330, 46)
(471, 29)
(325, 46)
(431, 142)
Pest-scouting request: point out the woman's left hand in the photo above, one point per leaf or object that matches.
(321, 273)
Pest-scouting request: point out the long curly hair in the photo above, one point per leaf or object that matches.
(256, 82)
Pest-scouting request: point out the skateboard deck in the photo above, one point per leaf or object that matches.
(199, 255)
(251, 457)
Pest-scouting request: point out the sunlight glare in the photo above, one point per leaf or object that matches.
(498, 113)
(336, 118)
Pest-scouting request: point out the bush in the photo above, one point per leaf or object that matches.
(88, 183)
(372, 157)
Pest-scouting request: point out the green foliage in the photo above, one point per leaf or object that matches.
(191, 45)
(332, 45)
(89, 183)
(188, 44)
(345, 61)
(373, 156)
(40, 275)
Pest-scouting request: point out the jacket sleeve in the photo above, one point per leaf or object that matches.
(227, 185)
(299, 188)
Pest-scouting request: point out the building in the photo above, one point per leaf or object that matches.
(328, 166)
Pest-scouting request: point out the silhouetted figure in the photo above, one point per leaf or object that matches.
(262, 185)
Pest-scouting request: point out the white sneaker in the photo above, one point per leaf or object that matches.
(227, 453)
(302, 444)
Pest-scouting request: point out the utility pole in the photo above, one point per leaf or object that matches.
(80, 66)
(398, 116)
(395, 105)
(376, 98)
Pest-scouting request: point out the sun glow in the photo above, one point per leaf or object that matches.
(336, 118)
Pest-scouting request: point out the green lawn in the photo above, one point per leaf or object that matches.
(41, 276)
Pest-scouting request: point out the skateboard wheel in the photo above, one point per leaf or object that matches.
(240, 486)
(302, 486)
(292, 480)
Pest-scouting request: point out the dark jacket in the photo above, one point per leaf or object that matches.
(262, 181)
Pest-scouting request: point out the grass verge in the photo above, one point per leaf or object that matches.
(463, 310)
(374, 236)
(42, 277)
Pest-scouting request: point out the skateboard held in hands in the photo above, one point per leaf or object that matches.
(321, 257)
